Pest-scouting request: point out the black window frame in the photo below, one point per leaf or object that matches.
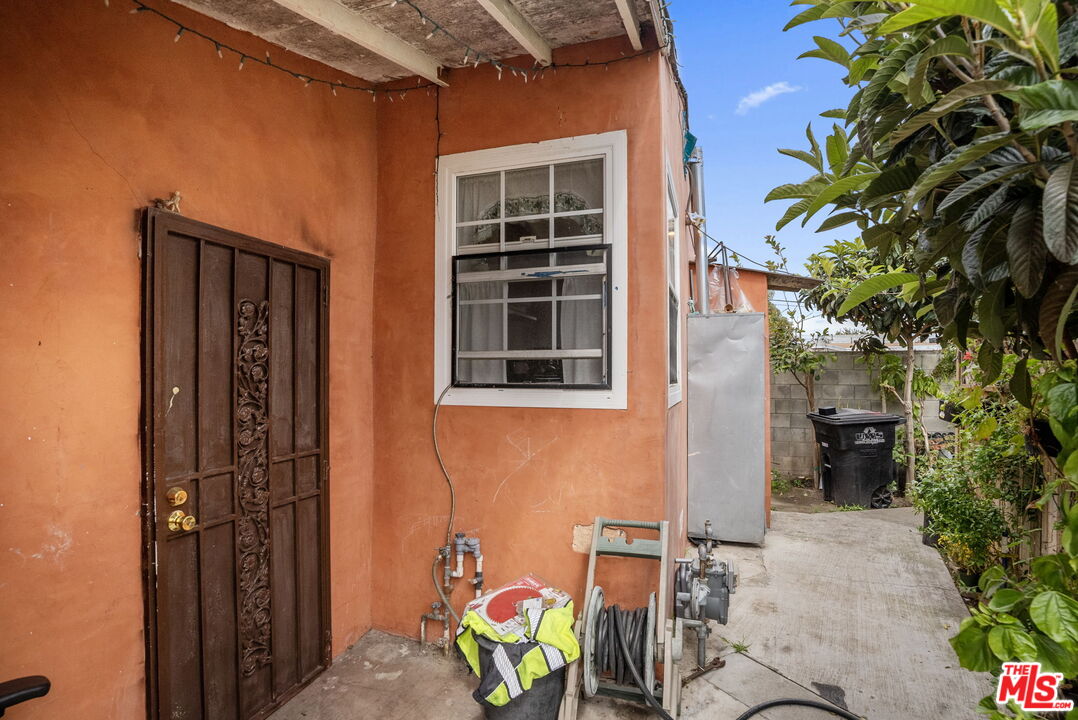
(607, 309)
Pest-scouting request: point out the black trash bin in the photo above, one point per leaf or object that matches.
(541, 702)
(855, 450)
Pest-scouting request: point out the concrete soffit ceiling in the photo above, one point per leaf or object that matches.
(377, 41)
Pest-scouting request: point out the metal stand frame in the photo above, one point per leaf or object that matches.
(668, 632)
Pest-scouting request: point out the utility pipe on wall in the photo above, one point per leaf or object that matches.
(465, 545)
(436, 615)
(696, 176)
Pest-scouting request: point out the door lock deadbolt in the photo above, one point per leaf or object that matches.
(176, 496)
(179, 520)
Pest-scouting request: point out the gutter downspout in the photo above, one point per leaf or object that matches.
(696, 167)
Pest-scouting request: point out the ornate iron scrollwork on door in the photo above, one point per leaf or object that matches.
(252, 437)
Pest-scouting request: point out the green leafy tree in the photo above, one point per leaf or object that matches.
(902, 313)
(1027, 612)
(962, 161)
(962, 152)
(978, 499)
(792, 347)
(889, 372)
(792, 351)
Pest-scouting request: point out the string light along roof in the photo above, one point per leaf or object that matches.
(381, 40)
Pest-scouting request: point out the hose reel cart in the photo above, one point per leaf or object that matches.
(652, 637)
(645, 636)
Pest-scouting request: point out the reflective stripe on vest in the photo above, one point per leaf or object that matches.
(516, 663)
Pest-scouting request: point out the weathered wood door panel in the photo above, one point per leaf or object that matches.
(236, 420)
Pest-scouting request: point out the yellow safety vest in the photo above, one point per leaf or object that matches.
(515, 662)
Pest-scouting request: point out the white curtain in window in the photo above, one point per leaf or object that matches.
(580, 327)
(578, 185)
(479, 327)
(477, 197)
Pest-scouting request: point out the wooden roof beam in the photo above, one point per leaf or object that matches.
(341, 21)
(518, 26)
(658, 19)
(631, 21)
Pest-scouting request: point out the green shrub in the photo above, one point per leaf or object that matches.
(994, 455)
(780, 484)
(970, 527)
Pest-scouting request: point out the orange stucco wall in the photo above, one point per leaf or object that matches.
(677, 471)
(524, 477)
(102, 112)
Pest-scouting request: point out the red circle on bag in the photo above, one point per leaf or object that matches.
(503, 605)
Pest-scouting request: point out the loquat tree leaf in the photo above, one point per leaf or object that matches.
(949, 102)
(839, 220)
(874, 286)
(981, 181)
(987, 11)
(791, 191)
(793, 212)
(952, 162)
(1055, 310)
(828, 49)
(949, 45)
(1048, 103)
(989, 314)
(1026, 252)
(836, 190)
(1060, 213)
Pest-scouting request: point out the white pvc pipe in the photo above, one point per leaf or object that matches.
(478, 570)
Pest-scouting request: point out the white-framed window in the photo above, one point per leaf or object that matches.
(531, 267)
(673, 286)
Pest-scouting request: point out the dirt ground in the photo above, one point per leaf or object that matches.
(810, 500)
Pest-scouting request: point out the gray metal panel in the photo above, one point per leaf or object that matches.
(726, 426)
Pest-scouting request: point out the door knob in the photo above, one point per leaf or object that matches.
(179, 520)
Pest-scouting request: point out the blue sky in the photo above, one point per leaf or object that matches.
(731, 52)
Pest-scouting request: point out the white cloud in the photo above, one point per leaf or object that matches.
(759, 97)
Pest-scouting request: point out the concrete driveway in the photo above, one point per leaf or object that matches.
(846, 606)
(849, 606)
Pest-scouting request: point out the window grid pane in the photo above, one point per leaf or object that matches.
(673, 337)
(554, 334)
(570, 210)
(673, 332)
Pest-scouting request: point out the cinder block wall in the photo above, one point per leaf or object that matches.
(844, 382)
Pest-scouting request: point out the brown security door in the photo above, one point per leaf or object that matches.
(235, 381)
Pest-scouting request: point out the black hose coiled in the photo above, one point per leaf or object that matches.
(609, 659)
